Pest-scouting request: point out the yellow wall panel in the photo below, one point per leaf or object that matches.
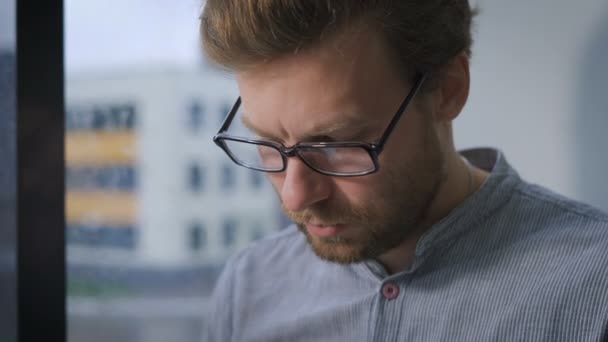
(101, 208)
(100, 148)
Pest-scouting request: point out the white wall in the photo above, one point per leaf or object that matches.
(525, 96)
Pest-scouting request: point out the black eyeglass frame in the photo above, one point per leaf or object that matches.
(373, 149)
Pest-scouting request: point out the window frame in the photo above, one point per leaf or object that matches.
(41, 268)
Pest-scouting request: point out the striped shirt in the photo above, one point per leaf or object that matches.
(513, 262)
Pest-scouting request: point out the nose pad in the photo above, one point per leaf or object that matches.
(302, 186)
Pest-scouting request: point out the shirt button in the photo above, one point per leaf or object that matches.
(390, 291)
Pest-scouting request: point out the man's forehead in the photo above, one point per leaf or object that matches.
(315, 94)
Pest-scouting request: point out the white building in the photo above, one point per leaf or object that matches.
(155, 190)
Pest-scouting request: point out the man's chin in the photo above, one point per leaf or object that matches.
(336, 249)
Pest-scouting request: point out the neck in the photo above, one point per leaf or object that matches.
(460, 182)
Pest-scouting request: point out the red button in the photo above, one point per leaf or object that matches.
(390, 291)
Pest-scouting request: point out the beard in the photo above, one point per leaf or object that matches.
(395, 211)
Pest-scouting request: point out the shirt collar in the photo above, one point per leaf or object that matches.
(493, 193)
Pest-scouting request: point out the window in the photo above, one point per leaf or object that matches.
(195, 177)
(196, 113)
(101, 236)
(138, 223)
(197, 236)
(145, 30)
(228, 176)
(101, 116)
(229, 227)
(111, 178)
(99, 120)
(256, 178)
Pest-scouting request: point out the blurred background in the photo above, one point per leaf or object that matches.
(154, 208)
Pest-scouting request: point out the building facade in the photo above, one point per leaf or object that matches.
(146, 186)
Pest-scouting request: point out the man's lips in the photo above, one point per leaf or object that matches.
(325, 231)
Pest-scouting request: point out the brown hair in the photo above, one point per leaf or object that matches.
(423, 34)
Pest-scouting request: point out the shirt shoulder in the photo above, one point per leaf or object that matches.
(561, 211)
(547, 198)
(553, 222)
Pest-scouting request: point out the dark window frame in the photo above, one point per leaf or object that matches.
(41, 269)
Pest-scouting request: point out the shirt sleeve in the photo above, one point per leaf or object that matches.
(218, 318)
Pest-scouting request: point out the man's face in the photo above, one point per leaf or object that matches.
(345, 90)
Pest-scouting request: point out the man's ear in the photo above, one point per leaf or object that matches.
(452, 89)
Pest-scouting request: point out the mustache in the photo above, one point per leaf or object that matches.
(328, 214)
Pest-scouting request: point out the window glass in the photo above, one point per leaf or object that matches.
(198, 237)
(195, 177)
(228, 176)
(98, 236)
(118, 178)
(196, 116)
(256, 179)
(153, 207)
(229, 227)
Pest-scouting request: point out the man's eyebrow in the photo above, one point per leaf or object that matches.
(257, 130)
(355, 127)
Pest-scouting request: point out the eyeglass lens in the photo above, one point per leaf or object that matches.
(346, 160)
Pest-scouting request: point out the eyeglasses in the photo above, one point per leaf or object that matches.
(341, 159)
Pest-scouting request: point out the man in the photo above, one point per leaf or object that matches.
(397, 236)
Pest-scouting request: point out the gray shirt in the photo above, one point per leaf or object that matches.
(513, 262)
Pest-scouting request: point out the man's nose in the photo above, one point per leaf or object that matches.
(302, 186)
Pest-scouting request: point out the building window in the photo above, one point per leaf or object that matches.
(196, 116)
(122, 117)
(121, 237)
(196, 176)
(113, 178)
(256, 178)
(101, 117)
(228, 177)
(197, 236)
(74, 119)
(229, 227)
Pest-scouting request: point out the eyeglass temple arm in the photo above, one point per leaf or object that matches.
(230, 117)
(391, 126)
